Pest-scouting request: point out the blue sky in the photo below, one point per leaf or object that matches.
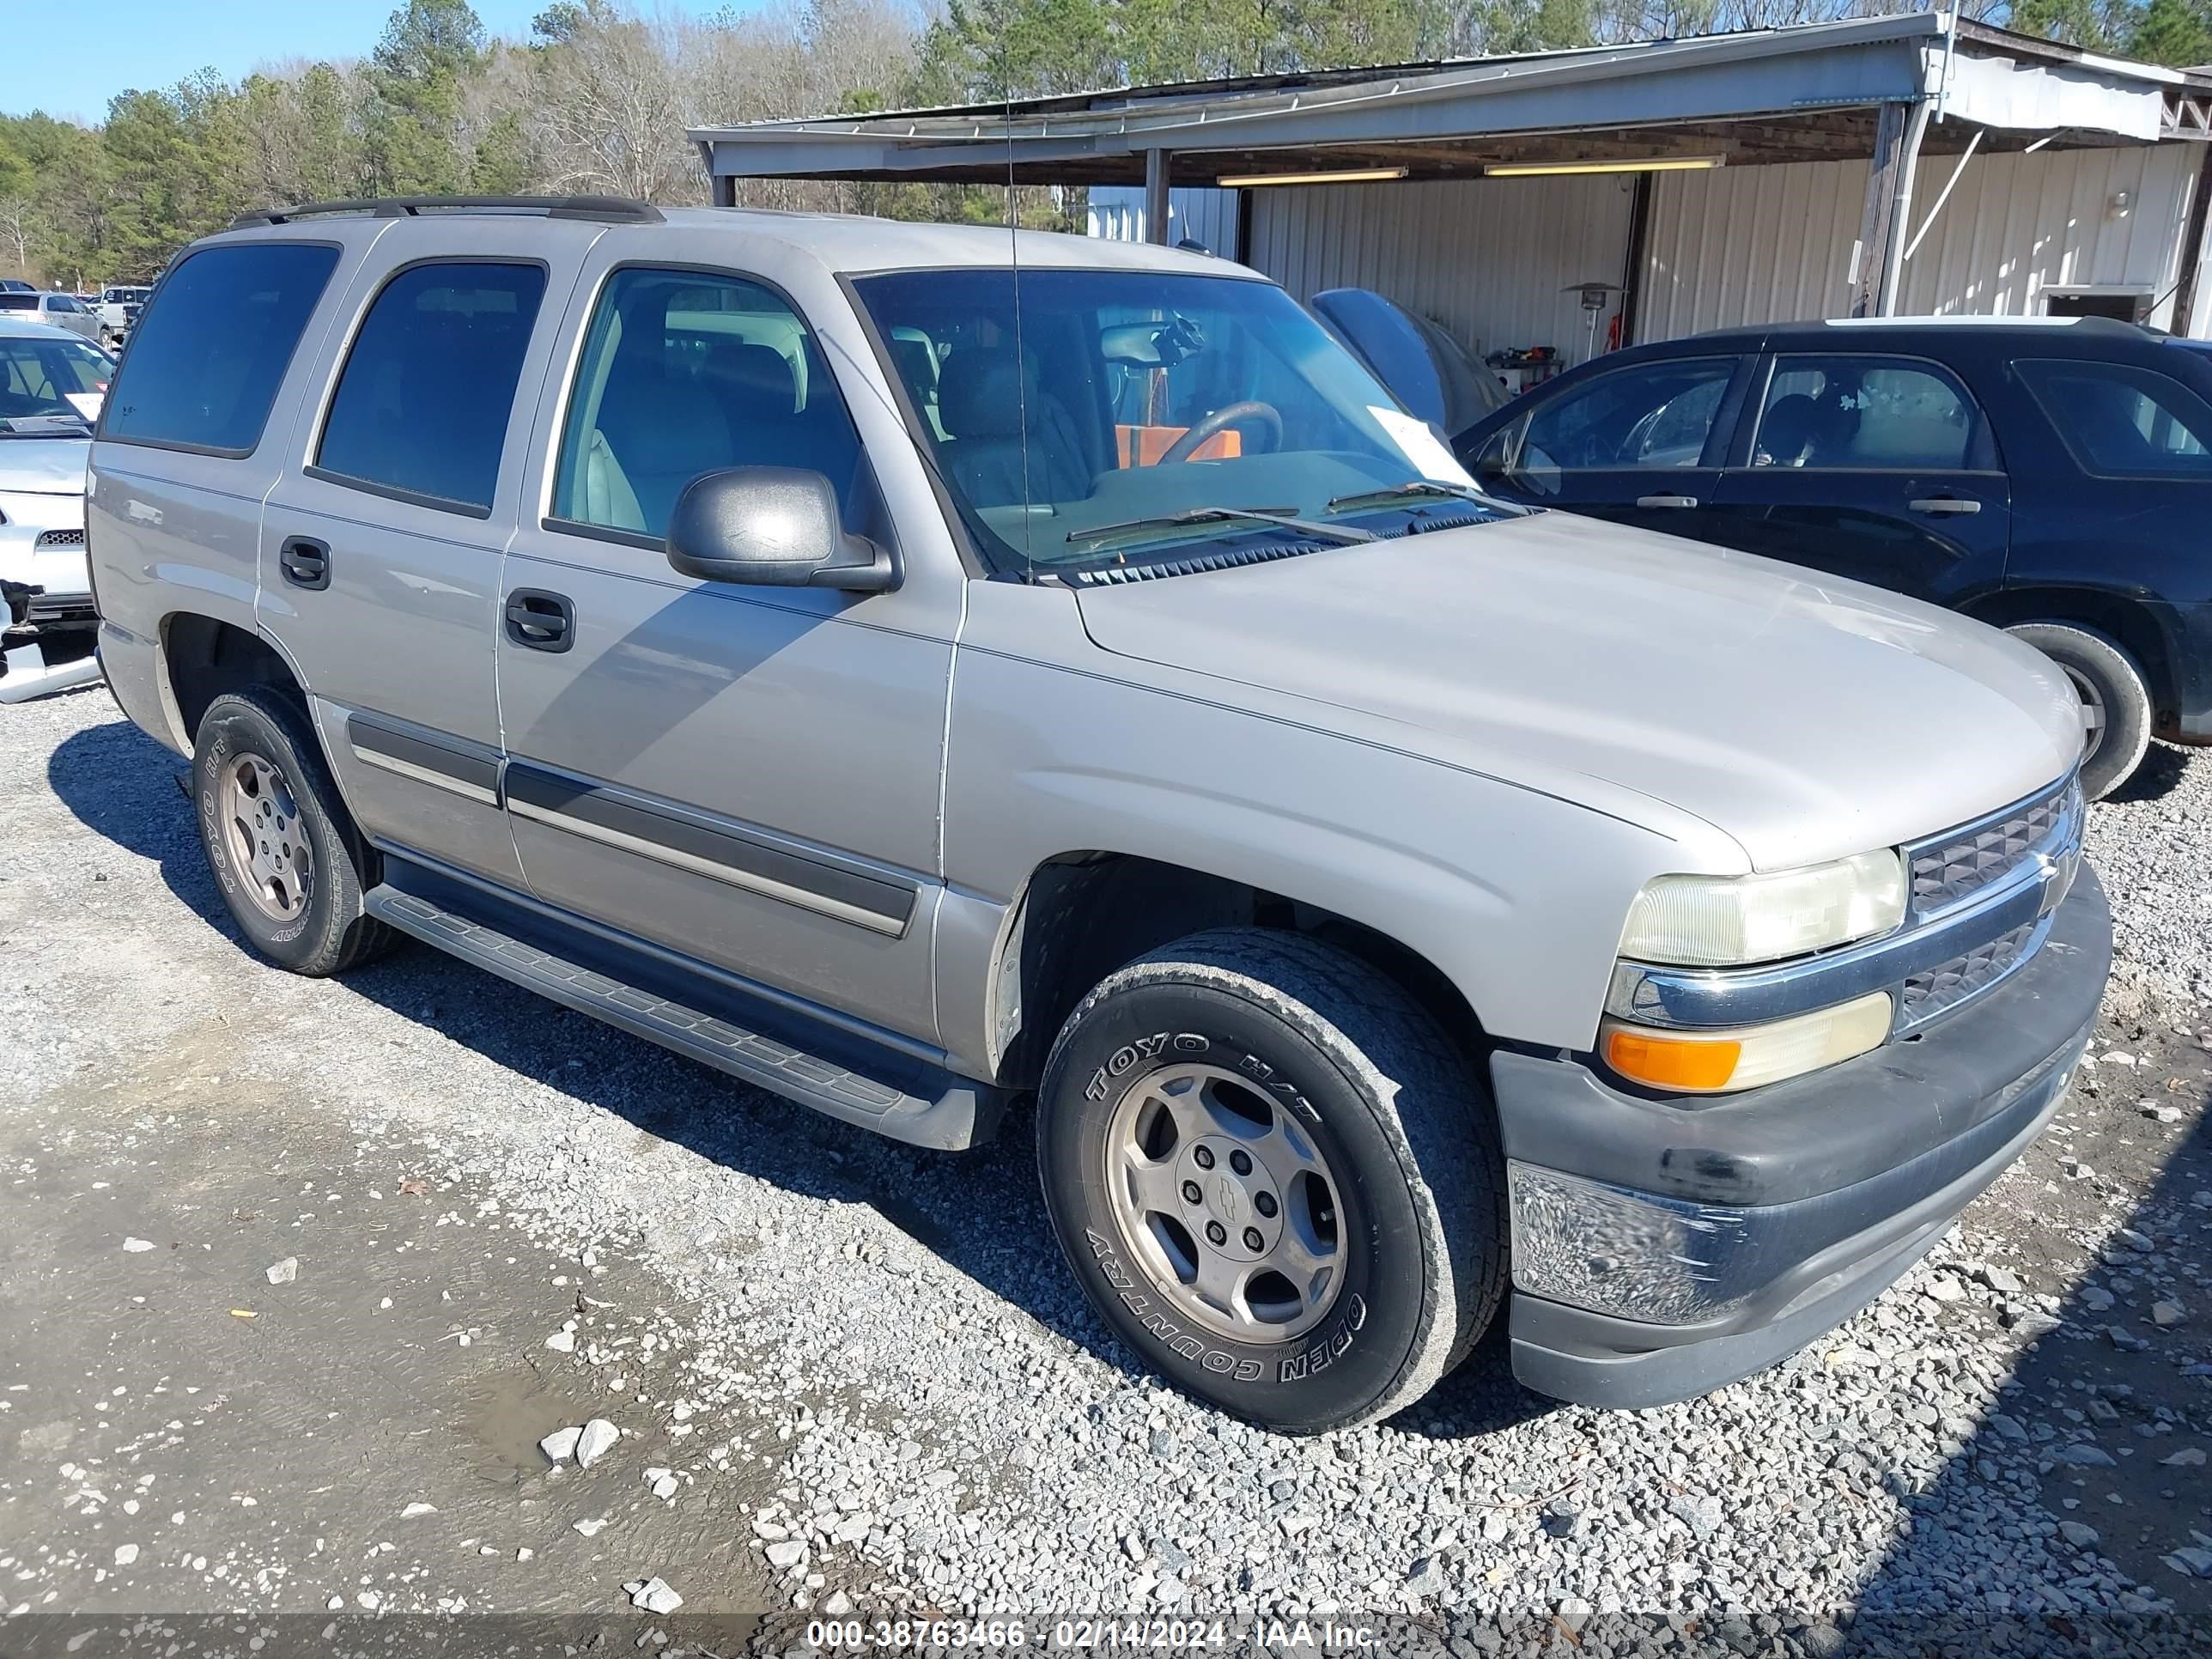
(72, 64)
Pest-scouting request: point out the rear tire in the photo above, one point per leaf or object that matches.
(2115, 700)
(291, 866)
(1343, 1158)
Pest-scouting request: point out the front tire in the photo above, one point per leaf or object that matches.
(1274, 1178)
(2116, 707)
(284, 852)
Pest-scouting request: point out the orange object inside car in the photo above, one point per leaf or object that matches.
(1143, 446)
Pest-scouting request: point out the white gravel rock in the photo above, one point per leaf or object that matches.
(285, 1271)
(596, 1440)
(655, 1596)
(560, 1445)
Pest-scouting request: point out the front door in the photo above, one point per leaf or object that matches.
(746, 775)
(1638, 444)
(1882, 469)
(381, 541)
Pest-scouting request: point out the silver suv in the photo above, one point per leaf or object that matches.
(918, 670)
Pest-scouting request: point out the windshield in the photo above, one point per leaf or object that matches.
(1122, 398)
(50, 386)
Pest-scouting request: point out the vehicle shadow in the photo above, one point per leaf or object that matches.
(2164, 766)
(979, 1211)
(2072, 1460)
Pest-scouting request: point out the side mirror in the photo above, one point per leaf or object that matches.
(774, 526)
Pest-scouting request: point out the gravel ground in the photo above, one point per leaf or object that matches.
(872, 1383)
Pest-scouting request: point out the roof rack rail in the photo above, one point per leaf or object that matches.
(611, 210)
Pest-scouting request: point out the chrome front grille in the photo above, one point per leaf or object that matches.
(1945, 987)
(1950, 868)
(59, 538)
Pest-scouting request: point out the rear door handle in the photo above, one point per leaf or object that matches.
(1945, 504)
(1665, 501)
(305, 562)
(540, 620)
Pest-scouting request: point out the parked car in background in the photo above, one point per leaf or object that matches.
(52, 387)
(58, 310)
(16, 285)
(1433, 374)
(909, 678)
(2051, 476)
(118, 309)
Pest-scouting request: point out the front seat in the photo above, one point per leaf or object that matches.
(980, 399)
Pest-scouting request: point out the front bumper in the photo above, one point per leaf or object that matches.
(1663, 1250)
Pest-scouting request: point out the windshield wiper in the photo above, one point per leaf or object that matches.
(1411, 487)
(1281, 519)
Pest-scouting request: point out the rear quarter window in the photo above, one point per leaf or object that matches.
(2122, 421)
(210, 352)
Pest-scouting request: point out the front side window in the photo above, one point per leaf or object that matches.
(208, 357)
(1649, 415)
(2122, 421)
(422, 404)
(50, 386)
(682, 373)
(1868, 414)
(1111, 408)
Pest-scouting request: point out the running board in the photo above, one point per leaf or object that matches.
(960, 1116)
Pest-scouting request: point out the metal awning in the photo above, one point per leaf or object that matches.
(1811, 92)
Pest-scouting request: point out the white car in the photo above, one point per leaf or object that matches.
(116, 309)
(51, 387)
(60, 310)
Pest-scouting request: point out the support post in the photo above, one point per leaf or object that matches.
(2192, 245)
(1878, 210)
(1639, 261)
(1900, 212)
(1156, 196)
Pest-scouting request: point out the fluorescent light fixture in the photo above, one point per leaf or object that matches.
(1342, 176)
(1646, 164)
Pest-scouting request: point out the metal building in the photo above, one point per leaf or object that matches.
(1916, 163)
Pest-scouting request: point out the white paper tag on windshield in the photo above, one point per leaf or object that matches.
(61, 425)
(86, 403)
(1422, 446)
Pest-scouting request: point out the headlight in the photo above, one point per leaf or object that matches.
(1718, 921)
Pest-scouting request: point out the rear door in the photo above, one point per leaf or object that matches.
(380, 545)
(1882, 467)
(1638, 443)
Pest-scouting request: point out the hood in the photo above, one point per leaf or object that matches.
(44, 466)
(1807, 717)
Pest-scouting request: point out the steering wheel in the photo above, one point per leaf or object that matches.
(1265, 415)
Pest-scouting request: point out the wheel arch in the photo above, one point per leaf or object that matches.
(1086, 912)
(203, 656)
(2128, 622)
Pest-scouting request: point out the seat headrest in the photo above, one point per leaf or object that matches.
(760, 373)
(979, 394)
(661, 423)
(1789, 429)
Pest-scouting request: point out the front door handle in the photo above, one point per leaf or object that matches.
(1665, 501)
(540, 620)
(1945, 504)
(305, 562)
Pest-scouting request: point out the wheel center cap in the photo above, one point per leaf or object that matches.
(1227, 1199)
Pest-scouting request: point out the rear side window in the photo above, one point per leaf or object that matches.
(1869, 414)
(18, 302)
(421, 406)
(207, 358)
(2122, 421)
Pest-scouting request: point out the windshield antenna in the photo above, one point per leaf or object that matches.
(1014, 255)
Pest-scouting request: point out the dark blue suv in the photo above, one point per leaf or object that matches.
(2052, 476)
